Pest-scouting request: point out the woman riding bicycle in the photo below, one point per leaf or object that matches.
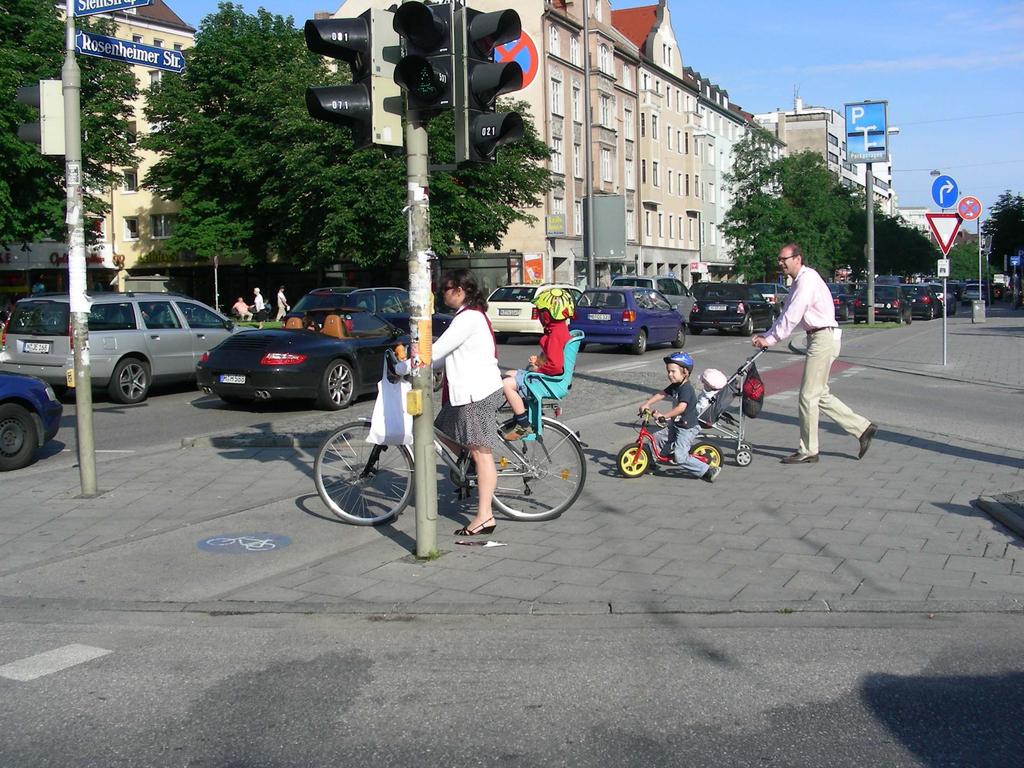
(473, 392)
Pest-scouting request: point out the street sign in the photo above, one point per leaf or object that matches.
(89, 7)
(1015, 260)
(945, 191)
(969, 208)
(942, 270)
(148, 56)
(944, 226)
(867, 139)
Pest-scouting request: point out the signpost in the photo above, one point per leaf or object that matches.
(945, 192)
(944, 227)
(969, 209)
(867, 141)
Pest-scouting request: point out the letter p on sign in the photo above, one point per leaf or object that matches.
(857, 113)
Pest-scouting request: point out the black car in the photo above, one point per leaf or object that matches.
(729, 307)
(392, 304)
(925, 303)
(332, 366)
(842, 300)
(890, 305)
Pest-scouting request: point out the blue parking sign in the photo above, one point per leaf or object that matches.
(867, 132)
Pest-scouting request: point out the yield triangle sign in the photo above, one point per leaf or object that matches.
(944, 226)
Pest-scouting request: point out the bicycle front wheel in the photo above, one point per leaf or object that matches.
(540, 479)
(360, 482)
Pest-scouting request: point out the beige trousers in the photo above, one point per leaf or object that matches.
(822, 350)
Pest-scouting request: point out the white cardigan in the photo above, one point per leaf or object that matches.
(466, 349)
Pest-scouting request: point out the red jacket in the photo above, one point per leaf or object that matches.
(552, 345)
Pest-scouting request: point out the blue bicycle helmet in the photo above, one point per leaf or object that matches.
(682, 359)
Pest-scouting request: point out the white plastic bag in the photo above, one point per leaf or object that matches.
(390, 424)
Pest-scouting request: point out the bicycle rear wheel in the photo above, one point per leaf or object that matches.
(540, 479)
(363, 483)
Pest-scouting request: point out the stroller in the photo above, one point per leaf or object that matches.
(718, 423)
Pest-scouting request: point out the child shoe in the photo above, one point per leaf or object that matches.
(711, 474)
(518, 431)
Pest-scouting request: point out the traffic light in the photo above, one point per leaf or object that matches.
(48, 131)
(427, 69)
(372, 106)
(479, 129)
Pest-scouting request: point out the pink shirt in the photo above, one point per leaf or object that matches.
(808, 307)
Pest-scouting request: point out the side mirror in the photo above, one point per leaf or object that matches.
(229, 325)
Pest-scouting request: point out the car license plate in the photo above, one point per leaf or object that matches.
(881, 306)
(232, 378)
(600, 316)
(508, 312)
(39, 347)
(717, 307)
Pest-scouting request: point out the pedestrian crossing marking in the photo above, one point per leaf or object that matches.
(47, 663)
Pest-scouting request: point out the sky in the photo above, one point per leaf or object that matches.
(952, 72)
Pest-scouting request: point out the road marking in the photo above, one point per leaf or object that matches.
(112, 451)
(47, 663)
(619, 367)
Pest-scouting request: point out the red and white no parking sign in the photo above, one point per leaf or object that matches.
(969, 208)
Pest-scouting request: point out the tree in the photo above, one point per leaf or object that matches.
(32, 197)
(963, 263)
(1005, 225)
(255, 175)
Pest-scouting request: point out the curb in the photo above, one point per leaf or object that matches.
(1012, 516)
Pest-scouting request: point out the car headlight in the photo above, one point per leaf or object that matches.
(51, 394)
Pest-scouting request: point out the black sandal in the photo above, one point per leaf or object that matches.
(477, 530)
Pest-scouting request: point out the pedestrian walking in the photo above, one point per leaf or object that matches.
(282, 304)
(809, 307)
(260, 305)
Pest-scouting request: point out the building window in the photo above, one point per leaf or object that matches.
(687, 137)
(132, 133)
(136, 38)
(131, 181)
(655, 175)
(606, 164)
(177, 46)
(558, 206)
(553, 41)
(631, 225)
(577, 109)
(574, 50)
(627, 123)
(687, 181)
(154, 77)
(647, 223)
(604, 62)
(606, 111)
(670, 182)
(158, 42)
(711, 192)
(654, 127)
(643, 125)
(131, 228)
(627, 78)
(661, 225)
(670, 231)
(668, 136)
(161, 225)
(643, 171)
(577, 216)
(577, 161)
(556, 96)
(696, 185)
(679, 141)
(630, 175)
(557, 160)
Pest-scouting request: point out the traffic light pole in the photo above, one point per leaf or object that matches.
(421, 300)
(71, 77)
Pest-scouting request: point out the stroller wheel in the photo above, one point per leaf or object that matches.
(744, 455)
(707, 453)
(633, 460)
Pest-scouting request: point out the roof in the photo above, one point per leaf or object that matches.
(636, 23)
(159, 13)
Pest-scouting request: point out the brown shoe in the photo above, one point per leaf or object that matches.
(865, 440)
(801, 458)
(518, 432)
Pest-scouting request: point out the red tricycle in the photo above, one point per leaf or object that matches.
(637, 457)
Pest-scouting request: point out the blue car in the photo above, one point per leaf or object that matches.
(29, 418)
(628, 316)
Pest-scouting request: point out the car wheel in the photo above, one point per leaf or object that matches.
(337, 386)
(696, 331)
(18, 437)
(130, 381)
(680, 340)
(747, 329)
(639, 345)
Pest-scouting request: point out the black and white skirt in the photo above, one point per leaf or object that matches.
(472, 424)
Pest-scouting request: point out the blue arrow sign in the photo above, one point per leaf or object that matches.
(89, 7)
(1015, 261)
(945, 192)
(148, 56)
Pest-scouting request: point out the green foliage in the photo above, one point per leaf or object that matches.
(32, 198)
(255, 175)
(1005, 225)
(963, 263)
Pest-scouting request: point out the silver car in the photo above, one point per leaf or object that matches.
(134, 340)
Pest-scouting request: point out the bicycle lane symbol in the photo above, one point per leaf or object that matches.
(244, 543)
(522, 51)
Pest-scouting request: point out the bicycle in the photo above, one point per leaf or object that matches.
(639, 456)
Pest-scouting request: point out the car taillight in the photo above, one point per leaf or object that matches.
(857, 303)
(533, 314)
(836, 302)
(740, 309)
(695, 308)
(3, 335)
(896, 304)
(629, 316)
(282, 358)
(926, 300)
(205, 357)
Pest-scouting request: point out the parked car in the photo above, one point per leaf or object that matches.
(948, 300)
(135, 339)
(925, 303)
(332, 366)
(890, 305)
(842, 300)
(774, 294)
(678, 295)
(30, 416)
(391, 304)
(511, 311)
(729, 307)
(632, 317)
(971, 292)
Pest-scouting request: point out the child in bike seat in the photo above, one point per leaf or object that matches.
(554, 308)
(682, 428)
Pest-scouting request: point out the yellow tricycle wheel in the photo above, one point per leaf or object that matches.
(707, 452)
(633, 460)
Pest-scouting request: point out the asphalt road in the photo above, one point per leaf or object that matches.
(271, 691)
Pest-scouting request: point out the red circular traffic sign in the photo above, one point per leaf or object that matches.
(969, 208)
(523, 51)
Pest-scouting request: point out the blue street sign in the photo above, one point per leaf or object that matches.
(1015, 260)
(89, 7)
(867, 132)
(945, 192)
(148, 56)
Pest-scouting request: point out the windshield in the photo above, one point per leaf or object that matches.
(603, 299)
(518, 293)
(326, 300)
(640, 282)
(44, 317)
(723, 291)
(765, 287)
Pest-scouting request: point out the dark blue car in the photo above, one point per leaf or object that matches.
(629, 316)
(29, 418)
